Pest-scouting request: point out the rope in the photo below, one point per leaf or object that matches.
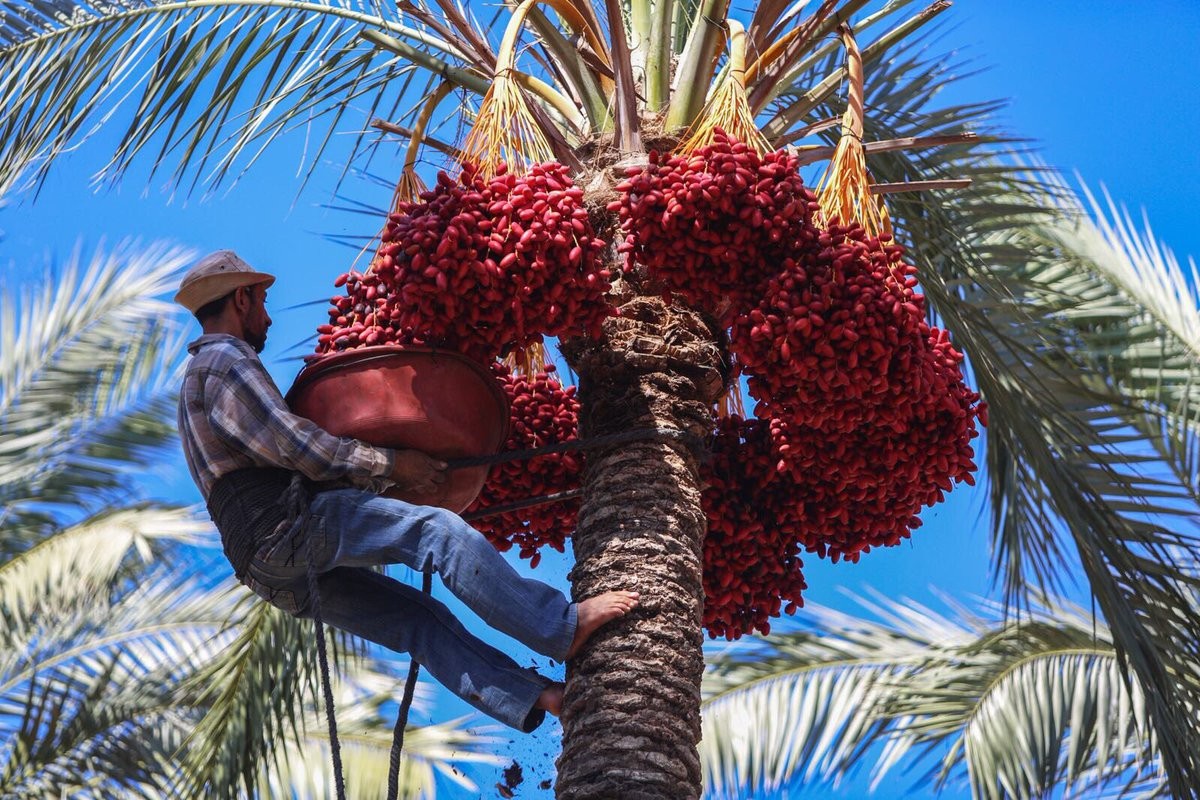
(410, 686)
(295, 502)
(517, 505)
(670, 435)
(335, 746)
(694, 442)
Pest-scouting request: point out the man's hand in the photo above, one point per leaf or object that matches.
(417, 473)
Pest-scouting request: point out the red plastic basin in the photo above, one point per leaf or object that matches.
(435, 401)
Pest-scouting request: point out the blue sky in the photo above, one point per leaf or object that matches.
(1104, 88)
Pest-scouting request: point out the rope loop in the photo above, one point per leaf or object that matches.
(697, 445)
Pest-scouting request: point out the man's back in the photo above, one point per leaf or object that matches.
(207, 453)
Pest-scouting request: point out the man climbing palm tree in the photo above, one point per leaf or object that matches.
(254, 460)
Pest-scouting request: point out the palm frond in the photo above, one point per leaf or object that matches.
(68, 746)
(65, 573)
(207, 84)
(254, 697)
(1086, 456)
(366, 698)
(807, 707)
(263, 727)
(86, 700)
(114, 677)
(86, 389)
(1016, 710)
(1031, 708)
(1155, 355)
(211, 87)
(1075, 461)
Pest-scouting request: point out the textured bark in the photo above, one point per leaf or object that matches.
(631, 717)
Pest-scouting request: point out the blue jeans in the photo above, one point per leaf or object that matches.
(349, 530)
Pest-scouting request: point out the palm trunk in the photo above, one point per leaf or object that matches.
(631, 717)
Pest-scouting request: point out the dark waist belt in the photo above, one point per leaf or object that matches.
(248, 507)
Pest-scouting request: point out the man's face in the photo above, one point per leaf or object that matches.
(256, 320)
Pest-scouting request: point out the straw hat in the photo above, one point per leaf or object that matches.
(216, 275)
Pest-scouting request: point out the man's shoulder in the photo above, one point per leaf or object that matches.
(218, 352)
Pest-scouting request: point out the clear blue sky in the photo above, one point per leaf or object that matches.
(1104, 88)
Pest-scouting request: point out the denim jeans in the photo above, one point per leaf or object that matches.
(348, 530)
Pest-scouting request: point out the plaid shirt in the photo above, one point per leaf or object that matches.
(232, 416)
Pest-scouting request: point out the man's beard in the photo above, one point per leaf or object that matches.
(257, 341)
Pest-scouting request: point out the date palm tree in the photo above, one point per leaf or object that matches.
(123, 673)
(203, 88)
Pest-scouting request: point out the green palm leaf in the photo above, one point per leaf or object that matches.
(263, 724)
(1087, 453)
(212, 85)
(366, 698)
(121, 693)
(92, 645)
(64, 574)
(1075, 462)
(1017, 711)
(209, 82)
(254, 696)
(803, 706)
(86, 388)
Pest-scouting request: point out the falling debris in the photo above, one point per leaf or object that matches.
(513, 777)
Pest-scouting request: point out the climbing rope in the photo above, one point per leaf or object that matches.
(410, 686)
(695, 443)
(295, 501)
(295, 504)
(326, 685)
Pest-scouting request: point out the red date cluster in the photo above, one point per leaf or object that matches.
(839, 335)
(479, 266)
(863, 418)
(775, 486)
(863, 489)
(715, 224)
(543, 412)
(865, 402)
(752, 566)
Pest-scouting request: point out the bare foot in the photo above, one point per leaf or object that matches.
(595, 611)
(550, 700)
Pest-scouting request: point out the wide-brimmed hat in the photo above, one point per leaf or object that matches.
(216, 275)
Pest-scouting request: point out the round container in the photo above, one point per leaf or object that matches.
(435, 401)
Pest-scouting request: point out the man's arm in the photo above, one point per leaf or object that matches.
(248, 412)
